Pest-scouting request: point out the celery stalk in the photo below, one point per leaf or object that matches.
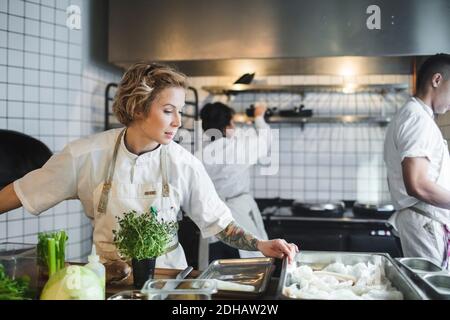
(51, 256)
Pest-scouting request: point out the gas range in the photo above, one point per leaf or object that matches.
(345, 211)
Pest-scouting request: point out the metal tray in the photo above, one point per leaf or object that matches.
(430, 277)
(418, 266)
(320, 259)
(439, 285)
(250, 271)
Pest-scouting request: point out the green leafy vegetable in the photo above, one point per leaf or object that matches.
(143, 236)
(10, 289)
(52, 250)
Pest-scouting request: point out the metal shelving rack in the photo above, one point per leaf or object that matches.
(381, 89)
(243, 88)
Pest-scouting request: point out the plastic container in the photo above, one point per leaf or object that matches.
(20, 260)
(182, 289)
(96, 266)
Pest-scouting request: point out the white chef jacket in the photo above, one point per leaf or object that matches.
(83, 165)
(412, 133)
(233, 178)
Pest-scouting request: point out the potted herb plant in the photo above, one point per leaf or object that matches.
(142, 238)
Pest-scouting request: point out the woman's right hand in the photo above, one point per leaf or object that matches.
(260, 109)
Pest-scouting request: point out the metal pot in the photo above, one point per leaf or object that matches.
(372, 210)
(318, 209)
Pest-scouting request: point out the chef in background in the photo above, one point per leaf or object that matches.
(230, 176)
(418, 165)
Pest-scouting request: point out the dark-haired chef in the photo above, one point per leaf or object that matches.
(418, 166)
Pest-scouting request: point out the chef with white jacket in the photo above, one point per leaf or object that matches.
(228, 160)
(119, 170)
(418, 166)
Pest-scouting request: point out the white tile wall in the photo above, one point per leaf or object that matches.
(322, 161)
(42, 66)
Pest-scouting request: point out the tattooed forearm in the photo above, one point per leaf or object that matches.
(238, 238)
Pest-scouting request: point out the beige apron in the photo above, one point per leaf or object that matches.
(113, 198)
(423, 228)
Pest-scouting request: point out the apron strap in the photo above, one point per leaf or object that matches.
(164, 172)
(103, 203)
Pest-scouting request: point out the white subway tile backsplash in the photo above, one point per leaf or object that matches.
(75, 36)
(31, 226)
(31, 10)
(16, 7)
(74, 66)
(75, 51)
(3, 39)
(3, 21)
(14, 124)
(60, 96)
(48, 3)
(15, 92)
(46, 95)
(46, 127)
(46, 78)
(15, 228)
(61, 17)
(61, 49)
(31, 94)
(61, 33)
(4, 6)
(32, 27)
(16, 24)
(32, 62)
(15, 75)
(47, 14)
(46, 111)
(3, 109)
(62, 4)
(15, 109)
(47, 46)
(47, 30)
(61, 80)
(31, 127)
(15, 58)
(32, 44)
(47, 63)
(60, 64)
(31, 109)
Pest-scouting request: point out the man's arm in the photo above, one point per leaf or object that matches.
(236, 237)
(418, 185)
(8, 199)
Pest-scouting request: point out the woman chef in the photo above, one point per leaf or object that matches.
(119, 170)
(231, 177)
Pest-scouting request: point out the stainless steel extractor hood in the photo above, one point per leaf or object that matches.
(208, 35)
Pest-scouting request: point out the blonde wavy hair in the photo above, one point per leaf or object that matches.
(139, 87)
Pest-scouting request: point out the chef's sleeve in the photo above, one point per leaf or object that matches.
(43, 188)
(203, 205)
(413, 138)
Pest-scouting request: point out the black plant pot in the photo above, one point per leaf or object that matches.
(142, 271)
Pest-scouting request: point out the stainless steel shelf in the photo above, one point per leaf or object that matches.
(350, 119)
(243, 88)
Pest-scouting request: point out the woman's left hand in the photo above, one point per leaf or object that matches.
(277, 248)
